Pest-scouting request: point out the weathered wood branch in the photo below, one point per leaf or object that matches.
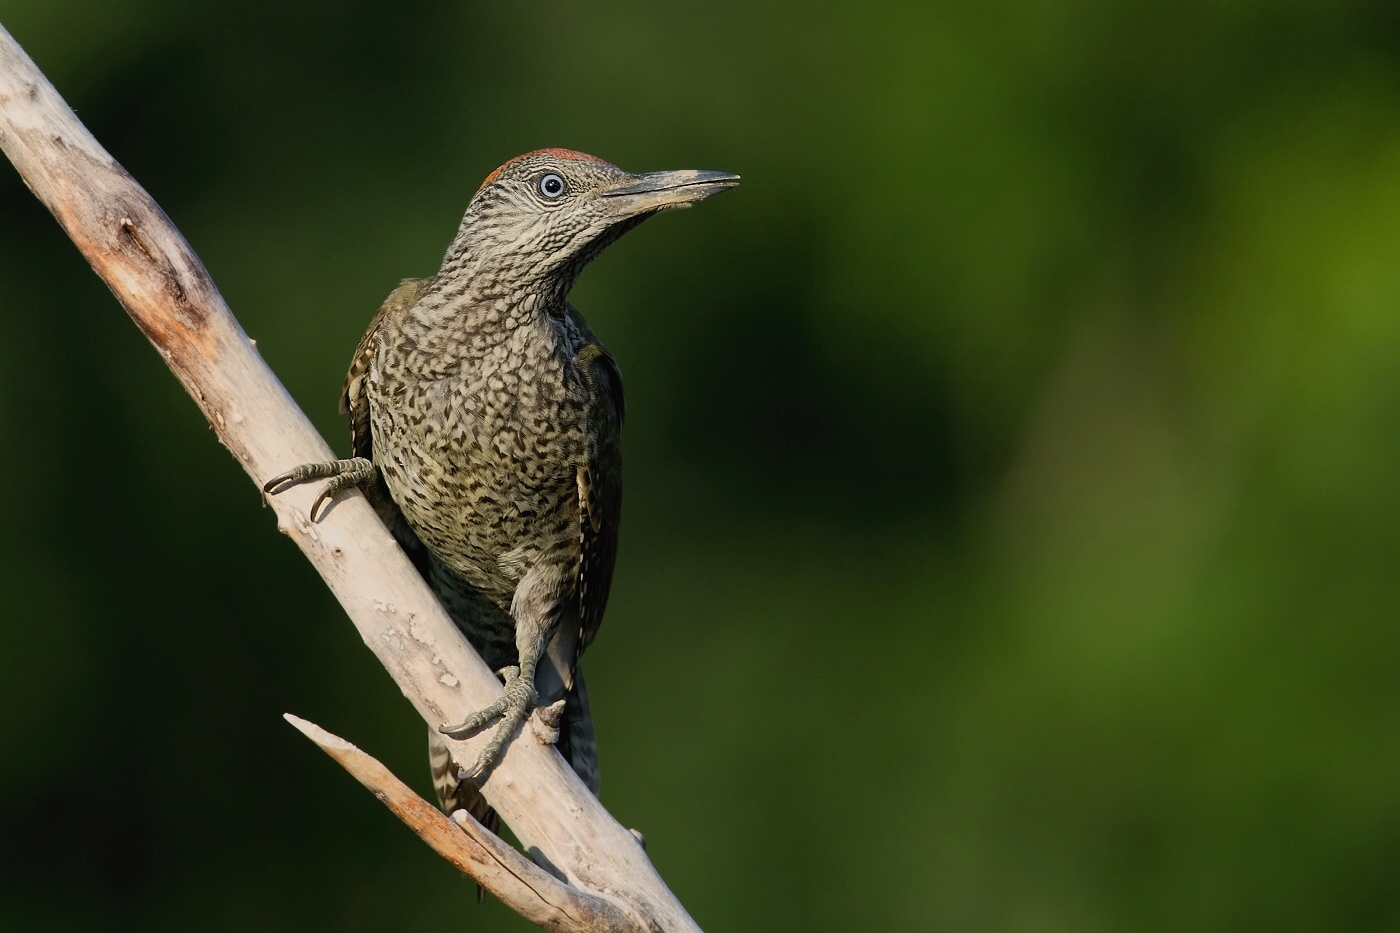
(533, 892)
(162, 284)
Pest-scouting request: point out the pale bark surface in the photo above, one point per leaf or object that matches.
(155, 275)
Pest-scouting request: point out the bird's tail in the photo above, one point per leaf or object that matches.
(577, 741)
(454, 793)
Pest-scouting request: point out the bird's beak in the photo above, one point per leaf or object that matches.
(655, 191)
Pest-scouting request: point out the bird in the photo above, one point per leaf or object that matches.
(486, 425)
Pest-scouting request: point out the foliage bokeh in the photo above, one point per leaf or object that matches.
(1012, 516)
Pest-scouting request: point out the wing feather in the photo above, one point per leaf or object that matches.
(599, 489)
(353, 400)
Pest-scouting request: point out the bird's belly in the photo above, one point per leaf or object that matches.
(489, 506)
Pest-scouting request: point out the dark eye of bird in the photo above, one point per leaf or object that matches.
(551, 186)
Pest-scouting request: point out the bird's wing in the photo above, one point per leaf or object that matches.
(599, 488)
(353, 401)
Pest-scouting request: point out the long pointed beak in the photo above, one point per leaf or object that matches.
(656, 191)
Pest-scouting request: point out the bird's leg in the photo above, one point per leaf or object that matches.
(343, 474)
(535, 609)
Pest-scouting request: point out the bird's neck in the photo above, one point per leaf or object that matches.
(478, 273)
(480, 306)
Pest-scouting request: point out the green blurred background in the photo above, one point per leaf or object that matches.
(1013, 482)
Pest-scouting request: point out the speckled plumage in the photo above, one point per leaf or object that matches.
(486, 423)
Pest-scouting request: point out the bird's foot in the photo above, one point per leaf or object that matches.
(513, 706)
(545, 721)
(343, 474)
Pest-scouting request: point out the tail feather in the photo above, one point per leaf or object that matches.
(453, 793)
(577, 741)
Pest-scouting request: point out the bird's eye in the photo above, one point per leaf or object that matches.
(552, 186)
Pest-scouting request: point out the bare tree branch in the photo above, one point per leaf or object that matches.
(155, 275)
(531, 891)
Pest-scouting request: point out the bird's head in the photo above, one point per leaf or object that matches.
(540, 218)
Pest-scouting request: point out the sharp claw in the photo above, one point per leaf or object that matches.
(326, 493)
(462, 730)
(475, 721)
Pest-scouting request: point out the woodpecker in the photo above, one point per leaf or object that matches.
(486, 425)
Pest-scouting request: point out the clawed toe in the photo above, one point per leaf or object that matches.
(343, 474)
(475, 721)
(280, 479)
(513, 707)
